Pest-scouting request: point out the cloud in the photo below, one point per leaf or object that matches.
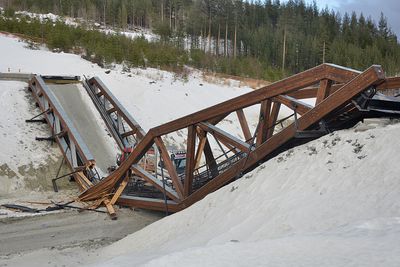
(373, 8)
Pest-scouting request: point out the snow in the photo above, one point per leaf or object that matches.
(331, 202)
(152, 96)
(75, 22)
(147, 34)
(17, 142)
(49, 17)
(341, 210)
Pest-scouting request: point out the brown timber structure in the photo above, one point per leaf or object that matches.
(343, 98)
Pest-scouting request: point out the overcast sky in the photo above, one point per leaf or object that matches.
(373, 8)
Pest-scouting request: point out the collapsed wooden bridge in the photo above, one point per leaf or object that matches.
(343, 98)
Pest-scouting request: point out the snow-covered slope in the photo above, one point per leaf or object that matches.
(152, 97)
(20, 154)
(332, 202)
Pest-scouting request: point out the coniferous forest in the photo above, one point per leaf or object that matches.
(260, 39)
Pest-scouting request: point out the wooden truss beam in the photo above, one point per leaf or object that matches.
(372, 76)
(348, 84)
(311, 92)
(210, 159)
(190, 160)
(200, 149)
(390, 83)
(243, 124)
(169, 166)
(148, 203)
(293, 103)
(265, 112)
(323, 91)
(273, 118)
(139, 171)
(285, 86)
(224, 136)
(106, 186)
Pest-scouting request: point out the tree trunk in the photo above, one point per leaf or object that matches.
(226, 40)
(284, 50)
(170, 17)
(218, 39)
(234, 43)
(209, 32)
(104, 12)
(162, 10)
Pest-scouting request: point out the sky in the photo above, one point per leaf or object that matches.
(373, 8)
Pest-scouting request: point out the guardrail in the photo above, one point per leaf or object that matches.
(9, 76)
(125, 130)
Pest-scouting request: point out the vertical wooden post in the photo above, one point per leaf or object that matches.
(212, 164)
(265, 111)
(323, 91)
(190, 160)
(170, 167)
(243, 124)
(199, 151)
(273, 118)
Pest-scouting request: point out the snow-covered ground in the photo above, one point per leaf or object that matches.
(152, 97)
(26, 165)
(331, 202)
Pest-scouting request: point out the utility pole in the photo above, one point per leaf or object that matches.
(323, 53)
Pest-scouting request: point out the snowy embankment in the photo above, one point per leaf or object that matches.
(152, 97)
(20, 153)
(331, 202)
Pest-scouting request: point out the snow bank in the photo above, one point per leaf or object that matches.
(152, 96)
(26, 166)
(20, 154)
(331, 202)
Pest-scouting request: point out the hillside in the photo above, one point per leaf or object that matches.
(259, 39)
(331, 202)
(152, 97)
